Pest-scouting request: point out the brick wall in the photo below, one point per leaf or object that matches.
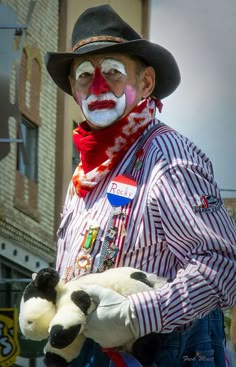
(35, 231)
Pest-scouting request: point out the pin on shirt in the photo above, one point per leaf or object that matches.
(90, 236)
(121, 190)
(139, 162)
(84, 259)
(111, 234)
(123, 228)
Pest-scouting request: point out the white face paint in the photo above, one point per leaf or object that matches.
(102, 109)
(109, 65)
(84, 68)
(101, 118)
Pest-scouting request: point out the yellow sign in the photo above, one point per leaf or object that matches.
(9, 347)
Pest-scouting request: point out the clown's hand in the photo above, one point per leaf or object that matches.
(113, 323)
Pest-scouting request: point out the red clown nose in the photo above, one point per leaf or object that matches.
(99, 84)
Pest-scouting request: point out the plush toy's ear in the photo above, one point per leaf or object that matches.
(43, 285)
(82, 300)
(38, 304)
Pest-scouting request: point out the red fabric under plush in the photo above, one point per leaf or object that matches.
(115, 357)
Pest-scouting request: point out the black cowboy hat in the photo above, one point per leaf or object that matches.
(101, 30)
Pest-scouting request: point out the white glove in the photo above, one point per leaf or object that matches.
(113, 323)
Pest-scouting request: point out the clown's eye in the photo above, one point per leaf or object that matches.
(113, 69)
(112, 74)
(85, 77)
(84, 72)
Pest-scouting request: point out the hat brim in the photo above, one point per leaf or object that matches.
(163, 62)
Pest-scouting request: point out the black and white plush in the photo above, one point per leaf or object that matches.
(56, 310)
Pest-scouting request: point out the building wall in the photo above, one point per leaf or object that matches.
(34, 232)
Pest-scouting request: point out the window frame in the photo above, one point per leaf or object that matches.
(28, 167)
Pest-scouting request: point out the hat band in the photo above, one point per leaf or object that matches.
(95, 39)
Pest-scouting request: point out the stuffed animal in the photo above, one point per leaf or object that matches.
(56, 310)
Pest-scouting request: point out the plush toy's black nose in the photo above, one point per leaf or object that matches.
(53, 360)
(61, 338)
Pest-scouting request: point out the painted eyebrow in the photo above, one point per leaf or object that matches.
(110, 63)
(84, 67)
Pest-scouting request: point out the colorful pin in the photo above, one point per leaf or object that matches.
(84, 261)
(121, 190)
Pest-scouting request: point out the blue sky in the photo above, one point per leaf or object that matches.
(201, 36)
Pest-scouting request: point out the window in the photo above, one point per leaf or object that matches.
(10, 290)
(27, 155)
(27, 164)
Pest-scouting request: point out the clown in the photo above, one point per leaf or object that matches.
(118, 80)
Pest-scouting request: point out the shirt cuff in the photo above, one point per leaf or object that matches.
(146, 308)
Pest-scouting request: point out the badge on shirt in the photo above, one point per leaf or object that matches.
(208, 203)
(121, 190)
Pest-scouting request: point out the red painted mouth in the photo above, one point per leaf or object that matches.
(101, 105)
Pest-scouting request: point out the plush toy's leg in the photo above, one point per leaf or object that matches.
(146, 348)
(55, 357)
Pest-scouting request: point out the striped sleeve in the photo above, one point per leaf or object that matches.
(204, 244)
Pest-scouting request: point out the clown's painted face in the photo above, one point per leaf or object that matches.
(105, 87)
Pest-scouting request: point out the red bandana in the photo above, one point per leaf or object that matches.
(101, 150)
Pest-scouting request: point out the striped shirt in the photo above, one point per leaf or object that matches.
(164, 230)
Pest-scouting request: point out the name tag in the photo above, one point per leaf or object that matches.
(121, 190)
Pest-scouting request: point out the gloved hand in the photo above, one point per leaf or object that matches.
(113, 323)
